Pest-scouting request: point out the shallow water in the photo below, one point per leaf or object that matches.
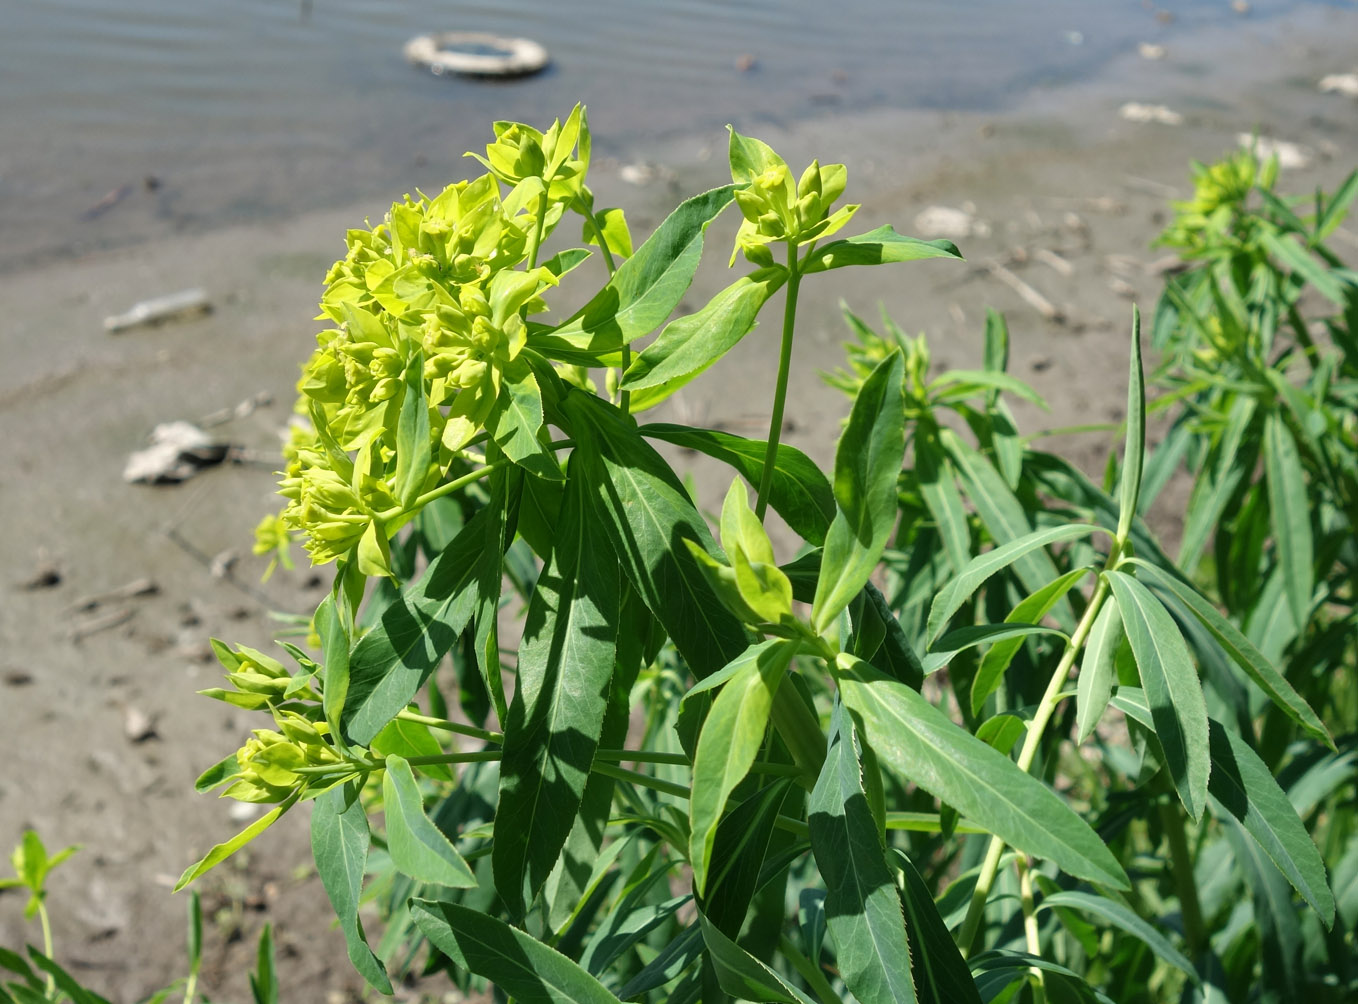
(240, 109)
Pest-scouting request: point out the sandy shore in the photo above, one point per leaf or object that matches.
(1061, 178)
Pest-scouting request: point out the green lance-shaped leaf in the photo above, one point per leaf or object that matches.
(798, 492)
(960, 588)
(339, 843)
(947, 647)
(867, 464)
(1134, 452)
(1124, 919)
(390, 663)
(1030, 611)
(565, 662)
(516, 963)
(226, 848)
(690, 344)
(644, 290)
(264, 980)
(862, 906)
(335, 655)
(65, 982)
(418, 848)
(1243, 786)
(876, 247)
(414, 449)
(1218, 476)
(730, 740)
(742, 975)
(938, 486)
(1242, 652)
(1098, 670)
(516, 420)
(923, 745)
(1275, 919)
(941, 974)
(1290, 513)
(1172, 688)
(644, 513)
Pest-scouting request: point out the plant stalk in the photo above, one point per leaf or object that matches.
(1045, 709)
(1030, 932)
(1181, 865)
(47, 945)
(794, 279)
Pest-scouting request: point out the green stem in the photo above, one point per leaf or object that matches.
(794, 279)
(1030, 931)
(587, 211)
(815, 979)
(447, 488)
(537, 233)
(480, 756)
(1181, 865)
(443, 725)
(47, 944)
(1045, 709)
(926, 822)
(190, 987)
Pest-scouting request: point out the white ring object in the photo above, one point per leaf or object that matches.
(515, 57)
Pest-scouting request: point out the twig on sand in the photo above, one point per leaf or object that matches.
(1029, 295)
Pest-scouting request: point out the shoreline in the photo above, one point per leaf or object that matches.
(1060, 173)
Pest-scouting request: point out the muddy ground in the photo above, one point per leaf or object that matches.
(1066, 196)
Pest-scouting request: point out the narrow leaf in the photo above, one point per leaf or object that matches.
(862, 906)
(1098, 669)
(339, 843)
(418, 848)
(946, 648)
(959, 589)
(730, 740)
(1172, 687)
(1121, 917)
(941, 974)
(1234, 643)
(1290, 513)
(565, 662)
(414, 448)
(742, 975)
(224, 850)
(516, 963)
(1134, 451)
(924, 746)
(877, 247)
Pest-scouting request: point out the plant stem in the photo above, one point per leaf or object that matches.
(1030, 932)
(443, 725)
(1181, 865)
(1045, 709)
(794, 279)
(625, 396)
(537, 233)
(190, 986)
(47, 944)
(809, 971)
(480, 756)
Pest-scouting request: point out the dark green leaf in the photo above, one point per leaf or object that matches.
(1134, 450)
(264, 980)
(1172, 687)
(1242, 785)
(1242, 652)
(947, 647)
(1275, 918)
(799, 492)
(513, 961)
(862, 906)
(877, 247)
(565, 662)
(938, 486)
(339, 843)
(1290, 513)
(941, 974)
(924, 746)
(1098, 669)
(645, 514)
(742, 975)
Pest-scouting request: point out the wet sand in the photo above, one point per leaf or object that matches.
(1060, 175)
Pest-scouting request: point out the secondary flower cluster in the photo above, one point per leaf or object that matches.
(429, 303)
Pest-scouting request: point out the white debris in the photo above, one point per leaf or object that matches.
(1151, 51)
(1135, 111)
(185, 303)
(1290, 155)
(945, 221)
(637, 174)
(1340, 83)
(178, 451)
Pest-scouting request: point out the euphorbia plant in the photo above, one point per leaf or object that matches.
(708, 756)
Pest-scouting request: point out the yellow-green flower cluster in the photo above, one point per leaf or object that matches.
(1220, 191)
(267, 765)
(776, 209)
(430, 302)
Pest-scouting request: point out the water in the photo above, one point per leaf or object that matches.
(245, 109)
